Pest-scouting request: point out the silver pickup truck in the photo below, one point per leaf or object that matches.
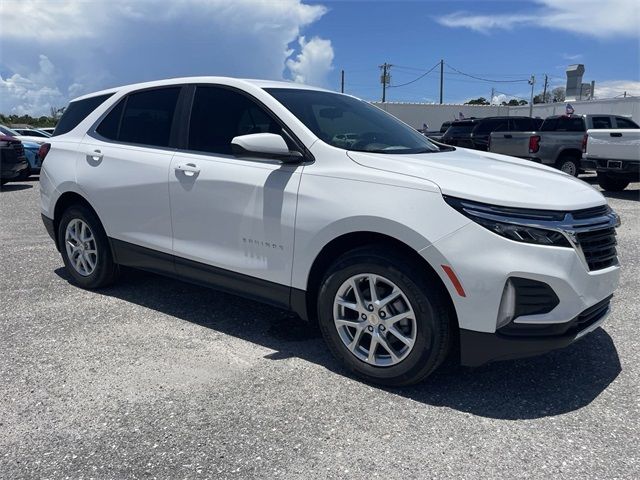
(559, 142)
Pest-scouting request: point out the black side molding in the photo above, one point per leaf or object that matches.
(275, 294)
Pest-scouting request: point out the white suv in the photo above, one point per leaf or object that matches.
(403, 250)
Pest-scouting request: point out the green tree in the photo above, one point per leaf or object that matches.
(558, 94)
(478, 101)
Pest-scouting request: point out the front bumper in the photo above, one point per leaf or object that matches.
(483, 262)
(477, 348)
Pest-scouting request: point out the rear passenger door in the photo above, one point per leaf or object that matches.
(233, 217)
(124, 167)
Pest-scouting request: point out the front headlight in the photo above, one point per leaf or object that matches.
(520, 225)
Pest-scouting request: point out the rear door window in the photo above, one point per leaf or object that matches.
(601, 122)
(485, 127)
(570, 124)
(77, 111)
(143, 118)
(622, 122)
(521, 125)
(148, 116)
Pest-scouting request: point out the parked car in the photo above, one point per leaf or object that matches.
(437, 135)
(474, 133)
(13, 164)
(615, 155)
(11, 132)
(32, 153)
(402, 250)
(32, 132)
(559, 140)
(48, 130)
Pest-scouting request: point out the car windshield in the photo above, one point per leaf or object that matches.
(351, 124)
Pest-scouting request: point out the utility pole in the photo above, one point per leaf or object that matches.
(532, 82)
(544, 92)
(493, 92)
(385, 79)
(441, 78)
(593, 89)
(342, 81)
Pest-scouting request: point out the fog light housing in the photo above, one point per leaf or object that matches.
(507, 309)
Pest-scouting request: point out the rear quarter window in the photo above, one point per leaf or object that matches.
(77, 111)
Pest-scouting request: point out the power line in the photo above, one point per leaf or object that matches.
(418, 78)
(485, 79)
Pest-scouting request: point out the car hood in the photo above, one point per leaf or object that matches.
(490, 178)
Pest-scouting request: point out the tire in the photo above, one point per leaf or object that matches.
(431, 327)
(105, 270)
(569, 165)
(612, 184)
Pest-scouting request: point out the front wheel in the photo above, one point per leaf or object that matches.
(85, 248)
(612, 184)
(384, 321)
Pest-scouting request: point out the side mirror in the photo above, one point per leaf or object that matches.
(264, 145)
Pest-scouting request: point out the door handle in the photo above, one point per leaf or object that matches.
(508, 136)
(189, 169)
(615, 134)
(95, 156)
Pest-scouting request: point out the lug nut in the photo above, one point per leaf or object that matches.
(370, 328)
(382, 329)
(382, 314)
(364, 316)
(370, 308)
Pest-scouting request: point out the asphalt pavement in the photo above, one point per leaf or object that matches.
(154, 378)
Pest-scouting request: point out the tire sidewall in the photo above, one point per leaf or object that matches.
(105, 265)
(425, 353)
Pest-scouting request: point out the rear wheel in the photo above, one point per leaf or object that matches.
(384, 321)
(569, 165)
(85, 248)
(612, 184)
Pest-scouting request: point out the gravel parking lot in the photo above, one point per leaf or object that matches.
(154, 378)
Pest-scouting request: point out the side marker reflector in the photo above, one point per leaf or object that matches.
(454, 280)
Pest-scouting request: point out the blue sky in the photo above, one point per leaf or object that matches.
(408, 34)
(56, 50)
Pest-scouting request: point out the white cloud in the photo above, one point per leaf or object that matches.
(34, 93)
(100, 43)
(617, 88)
(313, 63)
(597, 18)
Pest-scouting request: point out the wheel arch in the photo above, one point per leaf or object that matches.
(352, 240)
(64, 201)
(569, 152)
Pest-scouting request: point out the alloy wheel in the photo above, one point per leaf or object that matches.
(81, 247)
(374, 319)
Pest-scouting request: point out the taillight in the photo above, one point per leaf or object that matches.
(584, 143)
(534, 143)
(43, 150)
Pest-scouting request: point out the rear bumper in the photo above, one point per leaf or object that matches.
(478, 348)
(622, 168)
(11, 168)
(49, 225)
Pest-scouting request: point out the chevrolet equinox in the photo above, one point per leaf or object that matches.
(403, 250)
